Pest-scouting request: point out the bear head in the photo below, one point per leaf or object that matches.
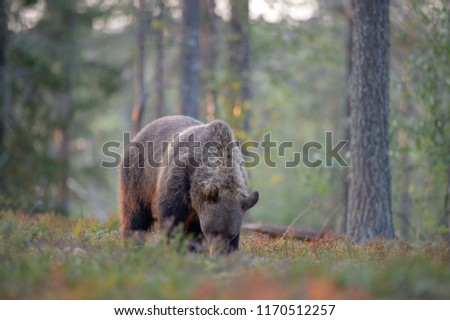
(221, 212)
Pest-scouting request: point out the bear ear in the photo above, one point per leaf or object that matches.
(249, 201)
(211, 193)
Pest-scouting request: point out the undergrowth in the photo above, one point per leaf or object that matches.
(52, 257)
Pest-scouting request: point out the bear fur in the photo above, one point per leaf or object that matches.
(168, 175)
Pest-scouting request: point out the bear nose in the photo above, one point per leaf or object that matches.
(218, 246)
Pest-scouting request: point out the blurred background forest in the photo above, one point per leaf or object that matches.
(78, 73)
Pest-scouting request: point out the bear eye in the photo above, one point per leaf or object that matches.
(211, 193)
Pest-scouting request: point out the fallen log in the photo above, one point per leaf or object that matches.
(277, 231)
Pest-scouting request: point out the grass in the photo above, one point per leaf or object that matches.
(52, 257)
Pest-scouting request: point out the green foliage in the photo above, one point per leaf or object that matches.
(430, 70)
(298, 86)
(55, 257)
(420, 112)
(57, 80)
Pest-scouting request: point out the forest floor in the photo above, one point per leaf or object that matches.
(52, 257)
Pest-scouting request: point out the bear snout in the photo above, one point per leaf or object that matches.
(217, 245)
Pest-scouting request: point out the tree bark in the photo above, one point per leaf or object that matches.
(370, 212)
(209, 54)
(405, 197)
(346, 113)
(447, 204)
(138, 110)
(64, 109)
(159, 74)
(239, 65)
(190, 79)
(3, 46)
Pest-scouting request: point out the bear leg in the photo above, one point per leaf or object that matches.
(194, 232)
(136, 217)
(234, 244)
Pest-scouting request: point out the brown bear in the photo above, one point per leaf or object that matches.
(179, 170)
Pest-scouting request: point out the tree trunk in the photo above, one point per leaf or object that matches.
(346, 111)
(447, 204)
(64, 151)
(239, 65)
(370, 212)
(209, 54)
(138, 110)
(3, 45)
(405, 197)
(64, 109)
(277, 231)
(159, 74)
(190, 79)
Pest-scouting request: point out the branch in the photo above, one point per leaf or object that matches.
(281, 231)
